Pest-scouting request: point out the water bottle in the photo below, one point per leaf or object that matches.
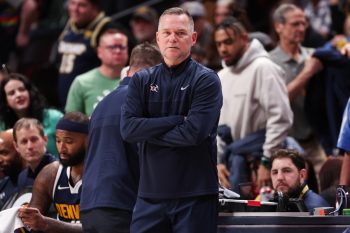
(266, 193)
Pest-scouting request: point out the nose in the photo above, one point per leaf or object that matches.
(172, 37)
(29, 144)
(280, 175)
(61, 147)
(222, 49)
(17, 93)
(301, 27)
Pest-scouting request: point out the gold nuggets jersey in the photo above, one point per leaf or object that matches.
(76, 51)
(65, 197)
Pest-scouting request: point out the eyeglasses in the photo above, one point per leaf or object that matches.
(115, 46)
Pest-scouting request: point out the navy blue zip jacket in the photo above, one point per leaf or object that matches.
(174, 113)
(111, 166)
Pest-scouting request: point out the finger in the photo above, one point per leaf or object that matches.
(29, 210)
(224, 181)
(227, 184)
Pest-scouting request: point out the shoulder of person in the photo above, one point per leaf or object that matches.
(48, 173)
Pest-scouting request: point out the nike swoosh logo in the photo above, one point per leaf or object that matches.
(184, 88)
(62, 188)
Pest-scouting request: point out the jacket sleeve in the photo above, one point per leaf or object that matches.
(202, 117)
(134, 126)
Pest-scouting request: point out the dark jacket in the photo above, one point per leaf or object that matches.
(111, 166)
(27, 177)
(174, 113)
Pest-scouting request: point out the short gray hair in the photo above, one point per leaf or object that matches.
(178, 11)
(280, 12)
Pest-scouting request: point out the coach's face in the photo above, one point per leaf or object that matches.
(175, 38)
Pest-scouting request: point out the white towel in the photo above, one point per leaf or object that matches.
(9, 220)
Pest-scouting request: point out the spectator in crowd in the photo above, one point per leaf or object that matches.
(39, 15)
(9, 14)
(11, 164)
(236, 11)
(319, 14)
(76, 45)
(256, 104)
(60, 183)
(20, 98)
(338, 41)
(222, 10)
(172, 110)
(202, 27)
(39, 27)
(329, 178)
(327, 95)
(290, 24)
(91, 87)
(111, 160)
(288, 175)
(198, 54)
(144, 24)
(30, 143)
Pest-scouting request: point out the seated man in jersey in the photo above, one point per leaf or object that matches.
(11, 164)
(288, 175)
(30, 142)
(60, 183)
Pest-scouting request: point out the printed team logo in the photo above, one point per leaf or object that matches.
(154, 87)
(68, 211)
(69, 53)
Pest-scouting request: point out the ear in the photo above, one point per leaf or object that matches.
(86, 142)
(15, 145)
(303, 175)
(99, 52)
(157, 38)
(245, 37)
(278, 27)
(45, 138)
(194, 38)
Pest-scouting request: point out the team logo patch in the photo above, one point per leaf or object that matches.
(154, 88)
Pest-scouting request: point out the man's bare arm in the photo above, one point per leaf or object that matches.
(34, 215)
(311, 67)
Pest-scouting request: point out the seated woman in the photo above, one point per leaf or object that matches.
(20, 98)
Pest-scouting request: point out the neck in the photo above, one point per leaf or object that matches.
(21, 113)
(111, 72)
(34, 165)
(291, 49)
(76, 173)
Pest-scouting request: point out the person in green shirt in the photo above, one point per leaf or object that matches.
(89, 88)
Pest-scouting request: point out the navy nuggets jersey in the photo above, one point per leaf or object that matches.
(77, 53)
(65, 197)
